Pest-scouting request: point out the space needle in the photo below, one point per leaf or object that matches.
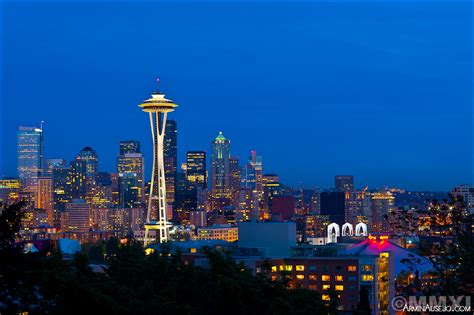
(156, 218)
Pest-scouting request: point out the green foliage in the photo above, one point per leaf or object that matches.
(134, 283)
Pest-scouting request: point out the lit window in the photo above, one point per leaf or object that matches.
(313, 277)
(326, 297)
(339, 288)
(367, 278)
(300, 277)
(339, 278)
(282, 267)
(274, 278)
(326, 278)
(288, 267)
(193, 250)
(367, 268)
(326, 286)
(299, 267)
(312, 287)
(351, 268)
(274, 268)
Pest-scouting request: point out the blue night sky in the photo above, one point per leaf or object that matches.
(381, 91)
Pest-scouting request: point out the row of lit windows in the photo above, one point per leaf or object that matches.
(312, 268)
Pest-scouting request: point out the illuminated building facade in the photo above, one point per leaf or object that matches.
(220, 167)
(89, 156)
(157, 218)
(196, 171)
(9, 190)
(61, 191)
(218, 232)
(170, 158)
(44, 197)
(77, 216)
(248, 206)
(382, 203)
(130, 161)
(30, 156)
(235, 180)
(77, 179)
(357, 206)
(129, 190)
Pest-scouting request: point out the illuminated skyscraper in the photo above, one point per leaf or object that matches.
(170, 153)
(44, 197)
(220, 167)
(129, 190)
(196, 168)
(77, 179)
(61, 191)
(157, 107)
(30, 156)
(382, 203)
(130, 160)
(235, 180)
(89, 156)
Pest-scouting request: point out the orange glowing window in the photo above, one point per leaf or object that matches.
(313, 277)
(351, 268)
(326, 297)
(326, 278)
(339, 278)
(367, 278)
(326, 286)
(300, 277)
(339, 288)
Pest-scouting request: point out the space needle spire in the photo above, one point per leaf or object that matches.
(157, 219)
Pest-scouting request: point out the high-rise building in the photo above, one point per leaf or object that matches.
(52, 163)
(235, 179)
(196, 168)
(315, 203)
(186, 200)
(382, 203)
(170, 154)
(271, 188)
(344, 182)
(77, 216)
(130, 160)
(248, 205)
(356, 206)
(220, 167)
(77, 179)
(252, 175)
(129, 189)
(89, 156)
(129, 146)
(30, 156)
(157, 218)
(61, 191)
(44, 197)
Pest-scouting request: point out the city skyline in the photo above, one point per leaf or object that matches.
(369, 131)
